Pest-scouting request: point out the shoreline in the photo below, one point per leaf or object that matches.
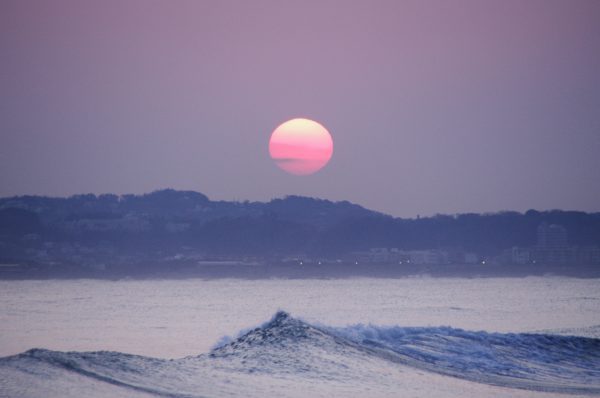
(295, 271)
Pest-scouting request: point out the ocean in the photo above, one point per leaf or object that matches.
(361, 337)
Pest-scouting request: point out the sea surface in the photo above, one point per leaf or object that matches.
(409, 337)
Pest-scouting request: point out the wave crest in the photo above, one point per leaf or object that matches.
(289, 347)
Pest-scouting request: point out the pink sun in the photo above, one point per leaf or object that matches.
(301, 146)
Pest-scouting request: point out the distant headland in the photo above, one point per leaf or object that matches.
(169, 233)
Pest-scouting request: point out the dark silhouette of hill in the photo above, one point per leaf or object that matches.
(164, 222)
(16, 221)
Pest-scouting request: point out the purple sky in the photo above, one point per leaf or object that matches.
(434, 107)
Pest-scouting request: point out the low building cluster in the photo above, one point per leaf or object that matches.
(429, 256)
(551, 248)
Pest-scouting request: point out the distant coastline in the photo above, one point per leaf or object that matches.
(175, 234)
(257, 271)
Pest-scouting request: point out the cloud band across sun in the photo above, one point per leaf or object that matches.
(301, 146)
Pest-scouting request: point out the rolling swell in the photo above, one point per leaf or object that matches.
(542, 362)
(530, 361)
(286, 346)
(119, 369)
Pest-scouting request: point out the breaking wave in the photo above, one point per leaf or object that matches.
(289, 347)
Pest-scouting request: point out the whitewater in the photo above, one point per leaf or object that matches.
(411, 337)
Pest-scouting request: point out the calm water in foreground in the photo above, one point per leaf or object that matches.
(314, 352)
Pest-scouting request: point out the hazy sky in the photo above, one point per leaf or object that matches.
(434, 106)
